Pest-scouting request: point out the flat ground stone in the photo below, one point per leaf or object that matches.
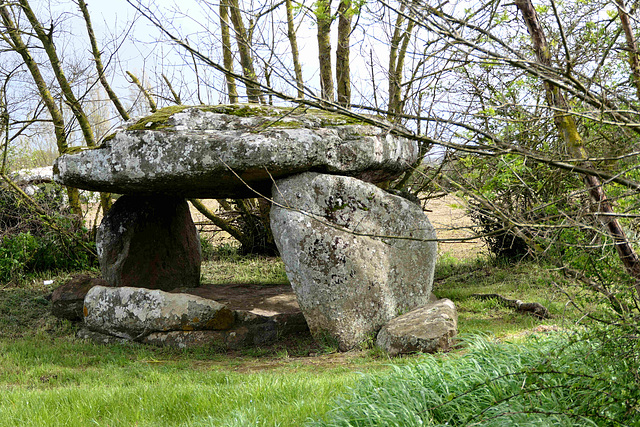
(355, 255)
(218, 151)
(427, 329)
(149, 242)
(134, 313)
(67, 300)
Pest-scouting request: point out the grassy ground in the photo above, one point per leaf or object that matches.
(47, 377)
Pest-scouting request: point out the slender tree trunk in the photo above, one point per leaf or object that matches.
(244, 47)
(323, 19)
(18, 45)
(226, 52)
(343, 80)
(632, 46)
(152, 104)
(573, 142)
(97, 58)
(399, 44)
(176, 97)
(291, 34)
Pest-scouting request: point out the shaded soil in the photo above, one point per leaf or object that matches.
(264, 299)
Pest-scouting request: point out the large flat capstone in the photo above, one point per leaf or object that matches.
(225, 151)
(356, 256)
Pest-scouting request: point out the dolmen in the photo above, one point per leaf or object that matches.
(356, 255)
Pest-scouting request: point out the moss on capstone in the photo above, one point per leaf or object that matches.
(157, 120)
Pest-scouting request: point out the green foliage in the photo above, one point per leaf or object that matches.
(560, 380)
(30, 244)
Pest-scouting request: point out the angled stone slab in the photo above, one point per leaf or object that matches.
(356, 256)
(426, 329)
(197, 152)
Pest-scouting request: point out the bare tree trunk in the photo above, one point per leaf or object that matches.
(399, 44)
(343, 80)
(244, 47)
(291, 34)
(176, 97)
(226, 52)
(152, 104)
(632, 46)
(98, 61)
(16, 42)
(323, 19)
(573, 142)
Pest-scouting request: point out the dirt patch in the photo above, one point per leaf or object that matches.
(454, 228)
(265, 299)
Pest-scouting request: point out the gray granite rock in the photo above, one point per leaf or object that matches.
(149, 242)
(427, 329)
(356, 256)
(134, 313)
(207, 152)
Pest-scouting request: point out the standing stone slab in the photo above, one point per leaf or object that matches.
(356, 256)
(149, 242)
(134, 313)
(427, 329)
(203, 152)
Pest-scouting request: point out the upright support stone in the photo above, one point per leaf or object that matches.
(356, 255)
(149, 242)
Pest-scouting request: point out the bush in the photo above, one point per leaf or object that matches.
(28, 241)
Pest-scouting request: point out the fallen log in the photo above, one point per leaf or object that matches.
(536, 309)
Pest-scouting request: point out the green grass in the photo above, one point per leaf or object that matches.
(47, 377)
(61, 382)
(546, 381)
(525, 281)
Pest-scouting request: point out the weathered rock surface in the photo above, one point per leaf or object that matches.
(427, 329)
(134, 313)
(271, 317)
(197, 152)
(355, 255)
(149, 242)
(67, 299)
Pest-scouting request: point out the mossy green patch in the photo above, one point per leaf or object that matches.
(157, 120)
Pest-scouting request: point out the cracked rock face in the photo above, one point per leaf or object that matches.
(219, 152)
(356, 255)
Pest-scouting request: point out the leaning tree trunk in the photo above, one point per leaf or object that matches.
(568, 131)
(295, 53)
(244, 47)
(47, 98)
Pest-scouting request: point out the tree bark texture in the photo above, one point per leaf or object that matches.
(323, 20)
(227, 57)
(343, 79)
(397, 52)
(244, 48)
(295, 53)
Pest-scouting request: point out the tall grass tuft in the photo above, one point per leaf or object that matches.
(560, 380)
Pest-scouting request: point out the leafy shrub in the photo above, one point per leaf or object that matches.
(31, 242)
